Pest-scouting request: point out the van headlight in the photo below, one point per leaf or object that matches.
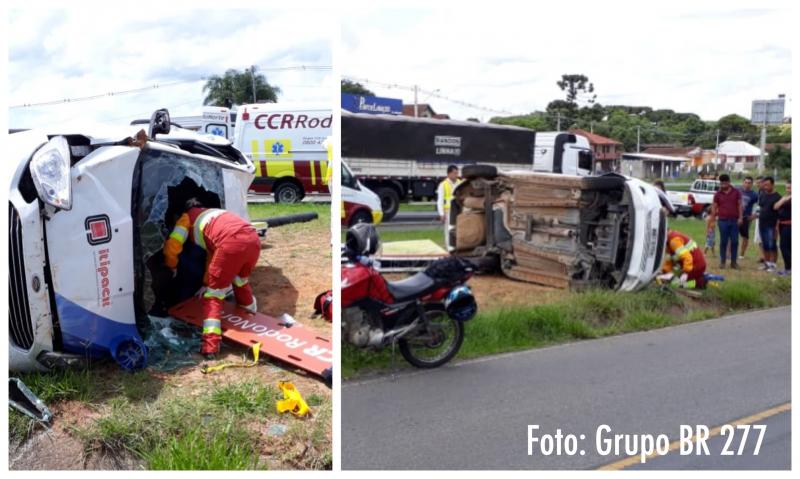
(50, 172)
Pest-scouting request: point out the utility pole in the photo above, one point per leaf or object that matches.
(716, 154)
(416, 106)
(558, 124)
(253, 81)
(591, 127)
(638, 137)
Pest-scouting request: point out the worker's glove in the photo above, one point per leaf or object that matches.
(174, 272)
(684, 279)
(665, 277)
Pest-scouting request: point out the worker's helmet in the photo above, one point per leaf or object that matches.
(362, 240)
(460, 304)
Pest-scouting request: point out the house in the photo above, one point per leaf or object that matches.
(738, 155)
(607, 152)
(692, 155)
(648, 166)
(424, 110)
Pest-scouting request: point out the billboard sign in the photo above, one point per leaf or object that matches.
(371, 104)
(768, 111)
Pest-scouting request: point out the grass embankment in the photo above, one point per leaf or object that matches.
(590, 314)
(164, 427)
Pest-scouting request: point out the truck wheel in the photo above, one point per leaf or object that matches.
(390, 202)
(360, 216)
(479, 171)
(288, 193)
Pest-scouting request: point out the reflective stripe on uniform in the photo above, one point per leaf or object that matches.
(212, 293)
(203, 219)
(179, 234)
(688, 247)
(239, 282)
(212, 326)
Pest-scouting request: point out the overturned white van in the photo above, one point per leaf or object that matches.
(89, 210)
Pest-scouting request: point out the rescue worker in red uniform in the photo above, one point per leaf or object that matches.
(685, 260)
(232, 247)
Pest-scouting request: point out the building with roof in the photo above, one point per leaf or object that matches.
(738, 155)
(607, 151)
(649, 166)
(692, 155)
(424, 110)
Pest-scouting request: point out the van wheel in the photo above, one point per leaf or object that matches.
(604, 182)
(360, 216)
(390, 202)
(288, 193)
(479, 171)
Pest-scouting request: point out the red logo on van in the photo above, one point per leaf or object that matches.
(98, 229)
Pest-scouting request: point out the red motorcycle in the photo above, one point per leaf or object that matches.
(423, 314)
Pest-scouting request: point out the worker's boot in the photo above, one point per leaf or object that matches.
(252, 307)
(211, 339)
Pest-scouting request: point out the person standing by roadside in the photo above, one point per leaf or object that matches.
(784, 208)
(757, 239)
(768, 223)
(444, 193)
(749, 200)
(727, 209)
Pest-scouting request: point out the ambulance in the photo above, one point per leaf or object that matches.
(285, 143)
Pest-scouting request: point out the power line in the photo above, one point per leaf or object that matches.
(161, 85)
(430, 93)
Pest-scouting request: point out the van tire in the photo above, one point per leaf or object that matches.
(479, 171)
(360, 216)
(604, 183)
(288, 193)
(390, 201)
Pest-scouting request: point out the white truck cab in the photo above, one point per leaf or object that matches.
(89, 211)
(562, 153)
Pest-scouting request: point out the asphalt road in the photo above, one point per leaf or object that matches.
(475, 414)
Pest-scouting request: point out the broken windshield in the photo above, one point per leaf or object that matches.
(163, 183)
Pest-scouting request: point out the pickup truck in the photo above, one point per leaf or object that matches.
(697, 201)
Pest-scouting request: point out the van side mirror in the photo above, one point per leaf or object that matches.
(159, 123)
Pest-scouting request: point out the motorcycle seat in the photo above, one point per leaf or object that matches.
(410, 287)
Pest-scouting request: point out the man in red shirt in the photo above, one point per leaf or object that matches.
(727, 209)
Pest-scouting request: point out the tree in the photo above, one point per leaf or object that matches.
(236, 88)
(575, 84)
(737, 127)
(535, 121)
(355, 88)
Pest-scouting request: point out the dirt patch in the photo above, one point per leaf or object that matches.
(295, 266)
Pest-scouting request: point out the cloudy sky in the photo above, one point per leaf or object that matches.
(686, 56)
(67, 54)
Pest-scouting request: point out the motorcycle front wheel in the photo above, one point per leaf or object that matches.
(434, 343)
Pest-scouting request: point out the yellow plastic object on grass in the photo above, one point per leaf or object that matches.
(244, 364)
(292, 400)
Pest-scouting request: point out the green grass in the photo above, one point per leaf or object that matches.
(590, 314)
(259, 211)
(226, 447)
(417, 207)
(249, 397)
(435, 235)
